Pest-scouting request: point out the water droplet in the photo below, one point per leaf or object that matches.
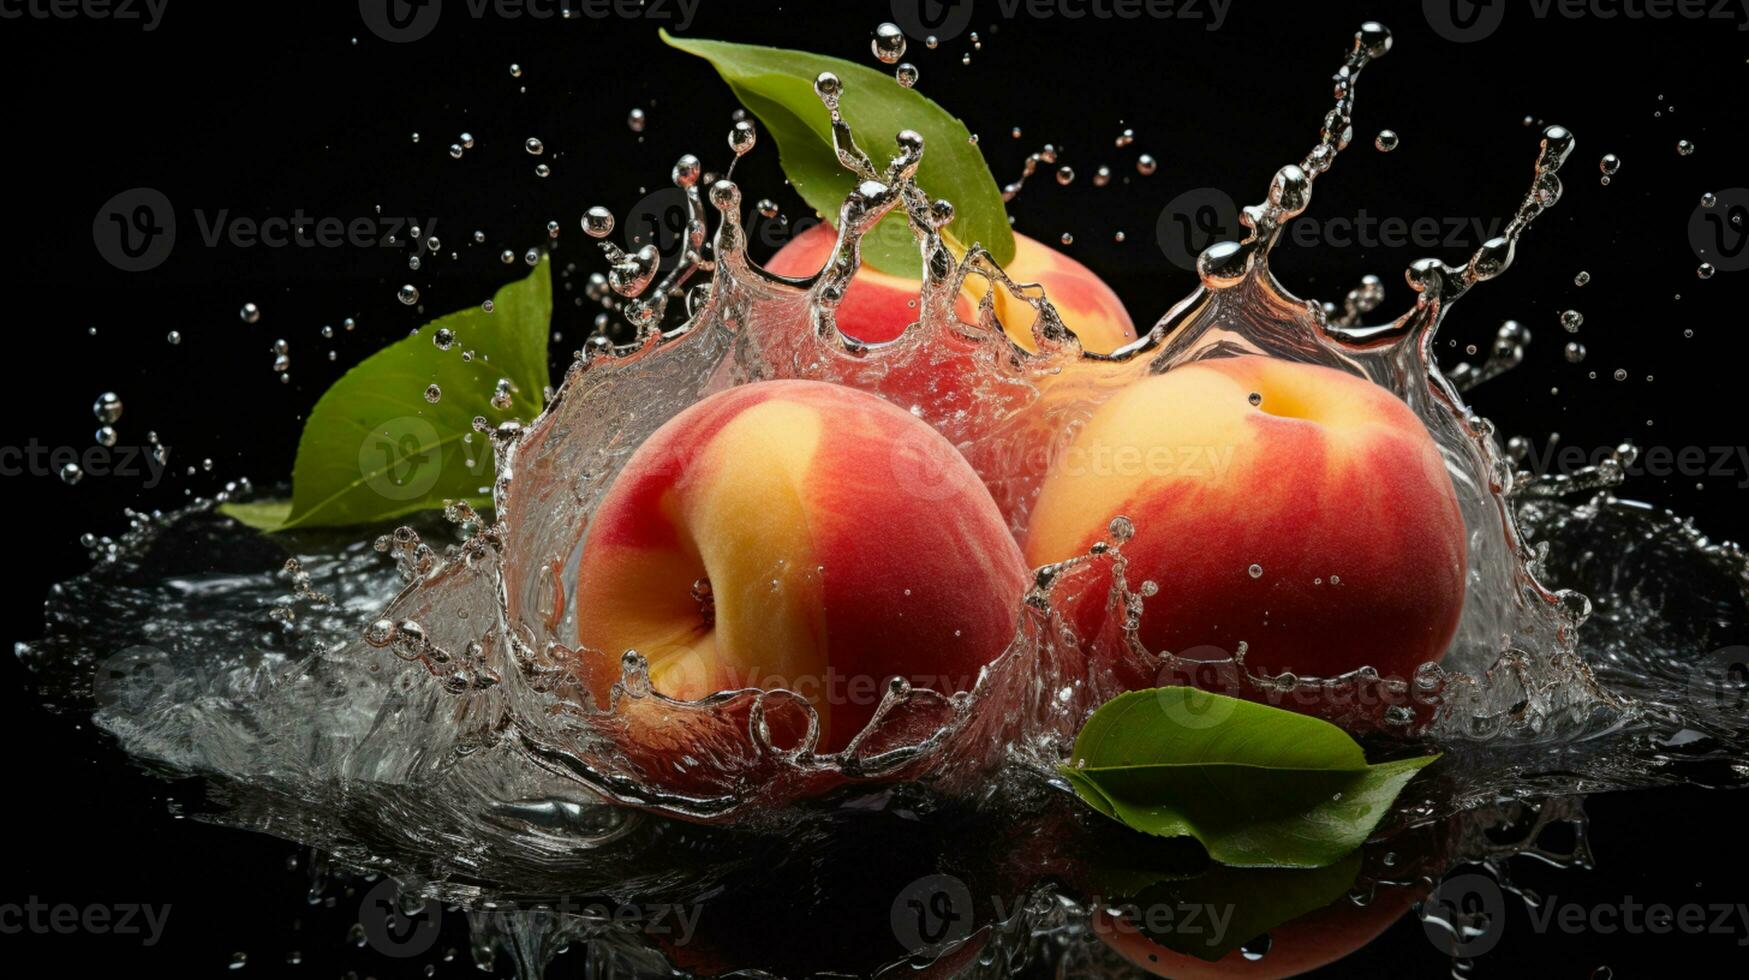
(1708, 199)
(743, 137)
(507, 256)
(1575, 352)
(1146, 165)
(1582, 278)
(598, 222)
(542, 170)
(1705, 270)
(906, 75)
(1621, 374)
(534, 146)
(1125, 138)
(1255, 398)
(107, 408)
(1255, 571)
(455, 150)
(106, 436)
(1571, 320)
(1684, 148)
(444, 338)
(467, 140)
(515, 70)
(433, 393)
(635, 120)
(1385, 141)
(1609, 165)
(888, 44)
(71, 474)
(1065, 175)
(408, 294)
(174, 337)
(250, 313)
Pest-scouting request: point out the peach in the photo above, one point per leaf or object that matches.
(1301, 511)
(878, 306)
(801, 535)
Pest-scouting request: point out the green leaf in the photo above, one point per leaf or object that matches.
(777, 85)
(1256, 785)
(1223, 908)
(374, 449)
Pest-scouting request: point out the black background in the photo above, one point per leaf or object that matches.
(261, 110)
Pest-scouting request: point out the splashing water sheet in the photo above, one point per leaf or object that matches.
(406, 701)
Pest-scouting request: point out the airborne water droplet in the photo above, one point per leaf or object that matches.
(598, 222)
(250, 313)
(107, 408)
(408, 294)
(534, 146)
(888, 44)
(1146, 165)
(1385, 141)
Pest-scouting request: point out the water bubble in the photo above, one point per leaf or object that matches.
(455, 150)
(888, 44)
(1385, 141)
(1582, 278)
(443, 338)
(408, 294)
(906, 75)
(107, 408)
(1067, 238)
(1621, 374)
(1684, 148)
(250, 313)
(542, 170)
(71, 474)
(1102, 176)
(598, 222)
(1146, 165)
(1575, 352)
(515, 70)
(174, 337)
(1609, 165)
(507, 256)
(534, 146)
(106, 435)
(766, 207)
(1705, 270)
(1065, 175)
(467, 140)
(433, 393)
(1255, 571)
(1121, 529)
(1571, 320)
(531, 257)
(635, 120)
(743, 137)
(1708, 199)
(1255, 398)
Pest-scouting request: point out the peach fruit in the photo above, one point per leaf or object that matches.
(801, 535)
(878, 306)
(1299, 510)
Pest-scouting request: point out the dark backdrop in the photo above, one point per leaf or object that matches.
(255, 111)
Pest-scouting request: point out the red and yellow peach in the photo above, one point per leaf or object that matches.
(801, 535)
(1298, 512)
(878, 306)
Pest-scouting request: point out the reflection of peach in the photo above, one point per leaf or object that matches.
(879, 306)
(801, 535)
(1299, 510)
(1313, 940)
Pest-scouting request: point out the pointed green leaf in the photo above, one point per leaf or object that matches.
(374, 448)
(777, 85)
(1256, 785)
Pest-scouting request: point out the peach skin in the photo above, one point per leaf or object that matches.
(1298, 510)
(801, 535)
(878, 307)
